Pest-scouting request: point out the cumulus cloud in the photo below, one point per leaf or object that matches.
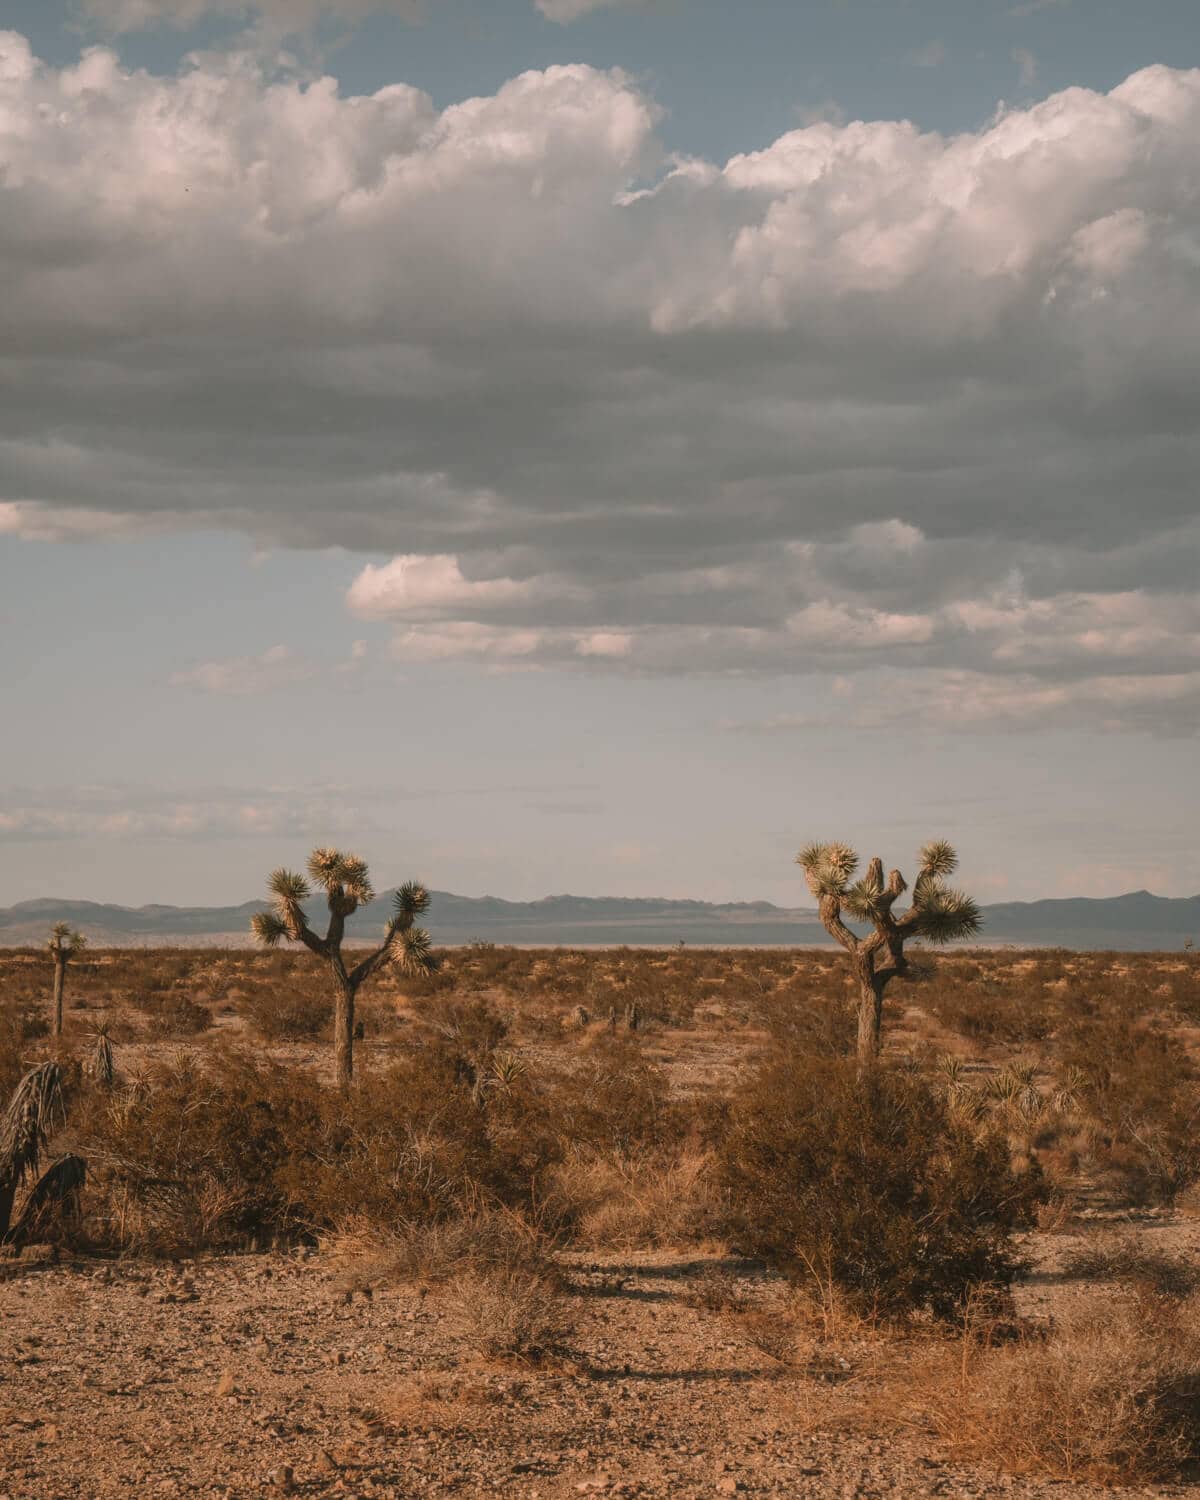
(566, 11)
(247, 676)
(868, 397)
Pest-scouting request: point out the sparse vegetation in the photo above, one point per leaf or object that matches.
(514, 1148)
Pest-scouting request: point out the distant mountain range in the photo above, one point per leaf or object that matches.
(1137, 921)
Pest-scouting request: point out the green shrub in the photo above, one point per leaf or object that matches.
(870, 1184)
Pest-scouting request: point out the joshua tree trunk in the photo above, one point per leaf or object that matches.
(343, 1027)
(870, 1012)
(60, 975)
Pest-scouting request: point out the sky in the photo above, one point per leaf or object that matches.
(574, 445)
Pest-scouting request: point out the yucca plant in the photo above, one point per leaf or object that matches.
(64, 944)
(937, 913)
(36, 1104)
(100, 1065)
(347, 885)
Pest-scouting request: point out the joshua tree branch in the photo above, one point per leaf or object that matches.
(831, 919)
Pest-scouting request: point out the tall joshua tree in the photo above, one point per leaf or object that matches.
(64, 945)
(347, 885)
(936, 913)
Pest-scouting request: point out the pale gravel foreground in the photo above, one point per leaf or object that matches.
(210, 1377)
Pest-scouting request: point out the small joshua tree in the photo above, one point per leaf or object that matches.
(347, 886)
(64, 945)
(937, 913)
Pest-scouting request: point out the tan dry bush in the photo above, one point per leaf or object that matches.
(1055, 1214)
(438, 1403)
(608, 1200)
(366, 1254)
(1110, 1397)
(1126, 1258)
(510, 1312)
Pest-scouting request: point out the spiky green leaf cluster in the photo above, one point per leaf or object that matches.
(861, 901)
(412, 951)
(341, 875)
(938, 859)
(410, 900)
(827, 867)
(268, 928)
(944, 915)
(64, 941)
(288, 889)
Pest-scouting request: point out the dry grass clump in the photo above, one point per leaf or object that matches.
(1110, 1398)
(438, 1403)
(490, 1269)
(431, 1254)
(619, 1202)
(1125, 1258)
(510, 1312)
(1138, 1090)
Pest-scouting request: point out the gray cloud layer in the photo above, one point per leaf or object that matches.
(869, 397)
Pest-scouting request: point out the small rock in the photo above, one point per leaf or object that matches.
(284, 1479)
(225, 1385)
(728, 1486)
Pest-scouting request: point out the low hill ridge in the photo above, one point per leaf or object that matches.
(1135, 921)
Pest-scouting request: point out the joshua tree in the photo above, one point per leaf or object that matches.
(937, 913)
(347, 886)
(64, 945)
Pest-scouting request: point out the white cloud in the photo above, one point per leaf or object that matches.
(430, 588)
(869, 395)
(566, 11)
(30, 521)
(1027, 67)
(247, 676)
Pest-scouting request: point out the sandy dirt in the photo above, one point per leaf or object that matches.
(232, 1376)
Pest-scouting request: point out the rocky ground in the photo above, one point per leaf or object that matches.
(264, 1375)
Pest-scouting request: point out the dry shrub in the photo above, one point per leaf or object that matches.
(1055, 1214)
(292, 1157)
(171, 1013)
(19, 1025)
(614, 1100)
(439, 1404)
(608, 1201)
(369, 1254)
(1126, 1258)
(1110, 1397)
(290, 1015)
(510, 1312)
(870, 1184)
(1139, 1086)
